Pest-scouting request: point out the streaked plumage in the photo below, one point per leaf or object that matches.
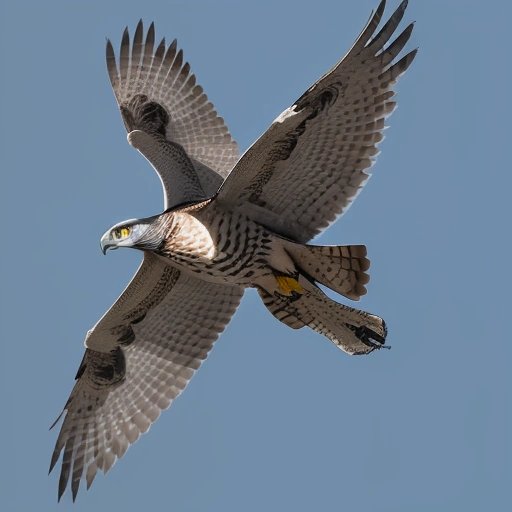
(208, 246)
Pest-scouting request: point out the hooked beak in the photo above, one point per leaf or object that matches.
(107, 243)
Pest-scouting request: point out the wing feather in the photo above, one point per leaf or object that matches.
(369, 29)
(111, 65)
(392, 51)
(313, 160)
(122, 389)
(157, 93)
(178, 174)
(137, 46)
(124, 57)
(389, 27)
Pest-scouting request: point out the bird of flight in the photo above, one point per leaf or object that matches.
(229, 223)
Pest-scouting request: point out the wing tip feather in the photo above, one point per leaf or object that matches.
(125, 39)
(75, 486)
(151, 31)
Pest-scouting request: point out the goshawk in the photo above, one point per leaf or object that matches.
(228, 224)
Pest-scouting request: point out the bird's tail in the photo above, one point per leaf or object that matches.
(340, 268)
(352, 330)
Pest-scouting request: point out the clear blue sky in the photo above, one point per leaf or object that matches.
(276, 419)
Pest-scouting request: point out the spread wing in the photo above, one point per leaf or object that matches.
(311, 163)
(157, 94)
(139, 357)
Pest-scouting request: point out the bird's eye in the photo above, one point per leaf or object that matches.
(120, 233)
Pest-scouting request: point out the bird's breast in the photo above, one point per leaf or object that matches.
(190, 238)
(224, 246)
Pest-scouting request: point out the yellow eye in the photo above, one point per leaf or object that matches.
(120, 233)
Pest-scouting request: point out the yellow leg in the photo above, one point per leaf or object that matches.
(288, 285)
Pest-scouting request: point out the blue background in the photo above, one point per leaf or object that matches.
(276, 419)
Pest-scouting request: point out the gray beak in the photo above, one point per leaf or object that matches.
(107, 243)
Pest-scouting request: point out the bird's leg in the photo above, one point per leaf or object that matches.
(288, 286)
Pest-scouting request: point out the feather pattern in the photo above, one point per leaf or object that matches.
(303, 172)
(122, 386)
(313, 160)
(178, 175)
(157, 94)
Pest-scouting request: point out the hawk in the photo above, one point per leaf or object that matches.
(228, 224)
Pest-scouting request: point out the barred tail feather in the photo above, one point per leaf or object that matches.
(352, 330)
(340, 268)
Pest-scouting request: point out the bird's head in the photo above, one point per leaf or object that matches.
(136, 233)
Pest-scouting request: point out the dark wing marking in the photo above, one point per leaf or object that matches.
(139, 357)
(311, 163)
